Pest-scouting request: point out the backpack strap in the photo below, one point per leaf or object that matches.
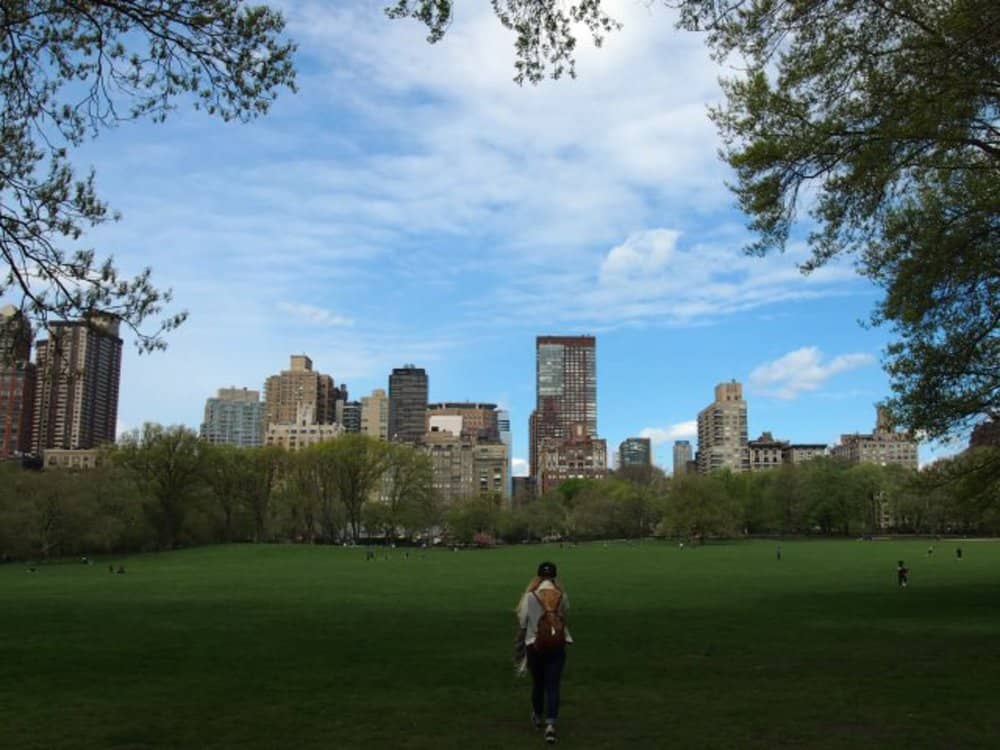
(545, 608)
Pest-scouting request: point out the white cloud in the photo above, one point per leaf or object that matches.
(642, 253)
(520, 467)
(425, 201)
(314, 314)
(656, 276)
(679, 431)
(801, 371)
(562, 164)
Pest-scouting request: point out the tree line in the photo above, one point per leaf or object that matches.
(823, 497)
(161, 488)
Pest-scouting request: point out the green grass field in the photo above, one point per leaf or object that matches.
(314, 647)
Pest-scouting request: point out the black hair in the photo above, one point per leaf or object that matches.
(547, 570)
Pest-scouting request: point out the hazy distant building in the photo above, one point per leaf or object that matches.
(766, 453)
(17, 383)
(303, 432)
(478, 420)
(635, 452)
(884, 446)
(577, 456)
(351, 416)
(507, 438)
(566, 393)
(799, 453)
(300, 386)
(235, 416)
(78, 376)
(522, 490)
(73, 460)
(465, 466)
(682, 455)
(375, 414)
(407, 404)
(722, 431)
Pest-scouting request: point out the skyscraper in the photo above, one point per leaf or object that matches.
(375, 414)
(722, 431)
(17, 382)
(352, 416)
(682, 454)
(299, 386)
(234, 417)
(635, 452)
(79, 371)
(506, 437)
(566, 391)
(407, 404)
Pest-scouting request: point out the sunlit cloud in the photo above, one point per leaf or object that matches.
(679, 431)
(313, 314)
(802, 371)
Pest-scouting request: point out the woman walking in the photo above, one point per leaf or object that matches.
(541, 614)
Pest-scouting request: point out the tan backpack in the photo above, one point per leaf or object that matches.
(551, 633)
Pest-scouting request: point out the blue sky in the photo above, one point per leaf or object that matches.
(412, 204)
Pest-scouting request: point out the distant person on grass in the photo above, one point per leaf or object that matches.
(958, 553)
(541, 615)
(902, 575)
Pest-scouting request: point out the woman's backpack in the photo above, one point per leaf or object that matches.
(551, 633)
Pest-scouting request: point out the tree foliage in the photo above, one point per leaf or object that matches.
(879, 119)
(161, 490)
(71, 69)
(53, 513)
(545, 30)
(407, 493)
(883, 113)
(168, 466)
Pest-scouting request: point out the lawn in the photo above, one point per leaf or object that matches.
(314, 647)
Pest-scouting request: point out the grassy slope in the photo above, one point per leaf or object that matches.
(312, 647)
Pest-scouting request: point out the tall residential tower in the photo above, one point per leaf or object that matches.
(566, 391)
(79, 371)
(407, 404)
(235, 416)
(17, 382)
(286, 393)
(682, 455)
(375, 414)
(722, 431)
(506, 437)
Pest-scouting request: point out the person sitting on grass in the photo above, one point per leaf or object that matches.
(541, 614)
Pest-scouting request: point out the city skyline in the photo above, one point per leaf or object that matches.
(301, 364)
(442, 215)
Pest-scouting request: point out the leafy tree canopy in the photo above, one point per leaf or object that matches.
(71, 69)
(877, 117)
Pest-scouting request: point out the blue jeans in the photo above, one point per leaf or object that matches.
(546, 670)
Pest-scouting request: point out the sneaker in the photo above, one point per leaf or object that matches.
(550, 734)
(536, 720)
